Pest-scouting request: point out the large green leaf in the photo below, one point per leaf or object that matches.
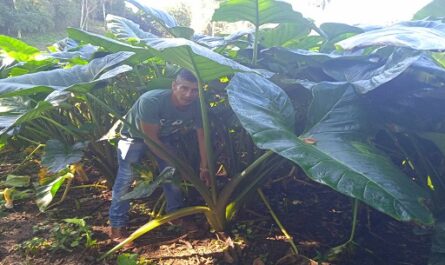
(109, 44)
(437, 138)
(334, 151)
(164, 19)
(218, 41)
(146, 188)
(22, 113)
(45, 194)
(366, 73)
(437, 256)
(17, 49)
(78, 77)
(203, 62)
(16, 181)
(297, 63)
(30, 67)
(335, 30)
(124, 28)
(432, 10)
(283, 33)
(158, 15)
(418, 36)
(84, 52)
(58, 156)
(257, 12)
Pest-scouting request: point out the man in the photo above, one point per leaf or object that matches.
(162, 115)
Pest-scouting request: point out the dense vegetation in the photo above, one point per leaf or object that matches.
(357, 109)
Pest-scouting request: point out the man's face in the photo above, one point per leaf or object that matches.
(184, 92)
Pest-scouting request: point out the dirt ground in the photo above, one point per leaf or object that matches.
(317, 218)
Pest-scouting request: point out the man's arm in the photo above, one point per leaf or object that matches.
(204, 173)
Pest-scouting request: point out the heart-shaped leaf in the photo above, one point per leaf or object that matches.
(78, 77)
(257, 12)
(340, 156)
(203, 62)
(124, 28)
(366, 73)
(146, 188)
(111, 45)
(59, 155)
(283, 33)
(415, 36)
(164, 19)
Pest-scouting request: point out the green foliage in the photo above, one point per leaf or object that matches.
(256, 12)
(372, 99)
(432, 10)
(335, 151)
(67, 236)
(58, 156)
(46, 193)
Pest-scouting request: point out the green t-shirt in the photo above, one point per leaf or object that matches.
(156, 107)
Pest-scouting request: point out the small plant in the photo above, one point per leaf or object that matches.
(71, 234)
(74, 232)
(133, 259)
(34, 245)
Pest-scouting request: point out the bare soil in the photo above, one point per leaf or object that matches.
(317, 218)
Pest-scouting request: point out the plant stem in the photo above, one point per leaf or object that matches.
(354, 219)
(232, 185)
(206, 128)
(26, 158)
(28, 140)
(58, 125)
(90, 186)
(257, 29)
(157, 222)
(280, 225)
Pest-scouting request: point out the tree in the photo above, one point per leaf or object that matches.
(182, 14)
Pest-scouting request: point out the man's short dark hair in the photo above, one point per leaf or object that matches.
(187, 75)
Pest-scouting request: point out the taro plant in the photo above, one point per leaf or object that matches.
(48, 106)
(370, 106)
(207, 65)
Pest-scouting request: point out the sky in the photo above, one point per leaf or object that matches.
(374, 12)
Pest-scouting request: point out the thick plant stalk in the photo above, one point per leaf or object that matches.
(256, 40)
(255, 46)
(277, 221)
(228, 190)
(158, 222)
(206, 128)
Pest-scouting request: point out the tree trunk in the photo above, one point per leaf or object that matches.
(104, 12)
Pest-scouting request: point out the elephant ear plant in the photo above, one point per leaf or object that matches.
(291, 23)
(206, 65)
(369, 107)
(35, 109)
